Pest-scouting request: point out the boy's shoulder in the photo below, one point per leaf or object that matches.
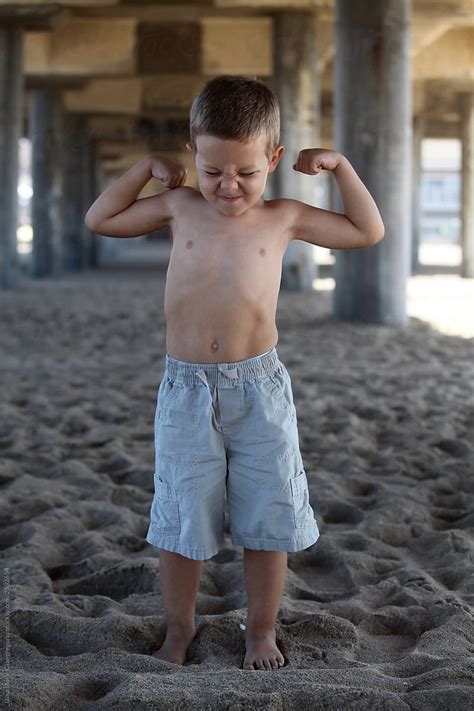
(179, 199)
(185, 190)
(281, 210)
(183, 193)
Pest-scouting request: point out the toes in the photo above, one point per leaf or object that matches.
(262, 664)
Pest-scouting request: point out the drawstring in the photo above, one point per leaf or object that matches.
(202, 374)
(230, 373)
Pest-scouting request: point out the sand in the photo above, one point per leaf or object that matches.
(376, 615)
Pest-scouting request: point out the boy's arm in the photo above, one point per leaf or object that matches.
(360, 226)
(118, 213)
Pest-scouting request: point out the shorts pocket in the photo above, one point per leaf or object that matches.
(300, 496)
(280, 389)
(176, 424)
(169, 392)
(165, 511)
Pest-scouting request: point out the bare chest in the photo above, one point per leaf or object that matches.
(242, 260)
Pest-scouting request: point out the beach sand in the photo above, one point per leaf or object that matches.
(376, 615)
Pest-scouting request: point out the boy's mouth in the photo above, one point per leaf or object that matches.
(229, 199)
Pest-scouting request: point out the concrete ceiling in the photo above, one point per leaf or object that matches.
(127, 63)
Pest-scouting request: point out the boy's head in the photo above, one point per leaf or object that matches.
(234, 134)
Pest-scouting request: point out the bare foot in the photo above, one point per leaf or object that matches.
(176, 645)
(262, 651)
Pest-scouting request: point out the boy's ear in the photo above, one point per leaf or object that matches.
(276, 158)
(189, 147)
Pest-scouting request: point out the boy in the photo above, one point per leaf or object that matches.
(225, 419)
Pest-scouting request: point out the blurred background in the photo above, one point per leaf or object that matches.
(96, 86)
(378, 343)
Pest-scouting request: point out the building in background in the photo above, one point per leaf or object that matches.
(441, 190)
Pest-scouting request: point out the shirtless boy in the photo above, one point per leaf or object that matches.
(225, 421)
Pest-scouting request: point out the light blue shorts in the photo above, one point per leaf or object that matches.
(228, 431)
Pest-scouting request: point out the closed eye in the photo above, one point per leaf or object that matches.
(245, 174)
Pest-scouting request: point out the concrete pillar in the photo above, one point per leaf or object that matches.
(467, 185)
(90, 192)
(373, 130)
(418, 131)
(45, 125)
(74, 204)
(296, 83)
(11, 86)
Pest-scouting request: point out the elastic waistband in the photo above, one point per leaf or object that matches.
(221, 373)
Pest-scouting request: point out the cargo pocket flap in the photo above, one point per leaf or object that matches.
(299, 483)
(164, 490)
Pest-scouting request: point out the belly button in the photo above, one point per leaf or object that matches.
(215, 346)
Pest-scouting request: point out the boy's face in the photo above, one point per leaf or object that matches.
(228, 168)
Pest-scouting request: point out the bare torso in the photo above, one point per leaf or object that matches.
(223, 280)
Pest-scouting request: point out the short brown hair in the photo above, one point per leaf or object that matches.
(236, 107)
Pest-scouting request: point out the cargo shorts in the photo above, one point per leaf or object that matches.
(228, 432)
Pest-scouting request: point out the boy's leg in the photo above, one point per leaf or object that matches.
(179, 585)
(265, 573)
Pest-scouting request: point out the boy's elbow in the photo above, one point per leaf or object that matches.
(381, 235)
(89, 222)
(377, 236)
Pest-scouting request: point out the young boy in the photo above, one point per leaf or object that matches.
(225, 420)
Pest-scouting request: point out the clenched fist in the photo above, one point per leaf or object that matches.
(171, 173)
(312, 160)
